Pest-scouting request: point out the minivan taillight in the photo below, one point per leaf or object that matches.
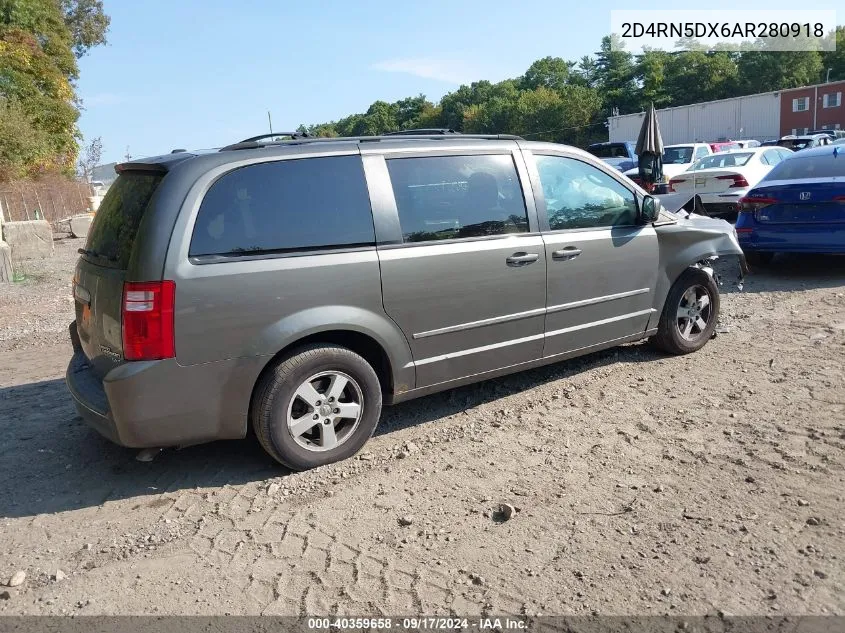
(147, 320)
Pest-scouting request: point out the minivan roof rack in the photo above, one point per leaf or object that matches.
(300, 139)
(423, 131)
(253, 139)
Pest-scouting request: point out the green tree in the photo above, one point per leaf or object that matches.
(651, 75)
(835, 60)
(586, 72)
(453, 104)
(39, 42)
(495, 113)
(764, 68)
(23, 147)
(380, 118)
(549, 72)
(87, 22)
(614, 75)
(558, 116)
(410, 111)
(692, 76)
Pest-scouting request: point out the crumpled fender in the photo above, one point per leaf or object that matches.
(685, 241)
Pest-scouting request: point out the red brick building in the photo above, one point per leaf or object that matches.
(812, 108)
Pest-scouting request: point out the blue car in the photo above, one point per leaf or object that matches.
(799, 207)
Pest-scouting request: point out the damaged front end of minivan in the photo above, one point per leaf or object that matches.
(688, 237)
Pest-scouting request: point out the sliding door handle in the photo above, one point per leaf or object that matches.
(570, 252)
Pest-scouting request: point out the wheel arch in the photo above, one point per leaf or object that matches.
(392, 378)
(686, 244)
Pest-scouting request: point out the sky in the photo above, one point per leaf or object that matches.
(203, 73)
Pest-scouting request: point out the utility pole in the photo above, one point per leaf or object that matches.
(270, 121)
(128, 155)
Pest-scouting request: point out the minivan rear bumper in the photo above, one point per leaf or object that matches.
(161, 403)
(89, 398)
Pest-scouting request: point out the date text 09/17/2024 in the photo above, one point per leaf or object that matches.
(421, 623)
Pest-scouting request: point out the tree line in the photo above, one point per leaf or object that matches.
(569, 101)
(40, 42)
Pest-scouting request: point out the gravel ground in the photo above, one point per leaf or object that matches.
(632, 483)
(37, 309)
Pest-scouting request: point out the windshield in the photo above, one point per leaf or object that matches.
(677, 155)
(721, 160)
(799, 167)
(611, 150)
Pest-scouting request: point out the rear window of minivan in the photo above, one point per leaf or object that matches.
(117, 219)
(283, 206)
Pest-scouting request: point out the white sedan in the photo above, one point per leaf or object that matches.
(722, 179)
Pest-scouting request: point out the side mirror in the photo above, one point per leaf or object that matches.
(649, 210)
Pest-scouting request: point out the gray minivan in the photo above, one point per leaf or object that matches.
(297, 285)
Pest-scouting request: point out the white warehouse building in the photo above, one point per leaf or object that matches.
(749, 117)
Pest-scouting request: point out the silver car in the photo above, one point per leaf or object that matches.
(299, 285)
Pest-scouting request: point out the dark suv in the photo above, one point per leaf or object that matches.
(297, 285)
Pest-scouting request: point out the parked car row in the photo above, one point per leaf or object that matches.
(786, 195)
(722, 179)
(797, 143)
(721, 172)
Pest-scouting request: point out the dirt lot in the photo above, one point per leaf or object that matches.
(643, 484)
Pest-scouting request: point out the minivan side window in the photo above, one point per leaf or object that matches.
(451, 197)
(290, 205)
(579, 195)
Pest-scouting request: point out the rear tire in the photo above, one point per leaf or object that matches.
(759, 258)
(318, 405)
(689, 314)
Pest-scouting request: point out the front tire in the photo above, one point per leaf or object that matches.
(317, 406)
(689, 314)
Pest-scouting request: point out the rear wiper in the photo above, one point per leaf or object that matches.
(90, 253)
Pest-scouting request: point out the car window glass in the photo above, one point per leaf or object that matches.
(285, 205)
(677, 155)
(800, 167)
(579, 195)
(118, 219)
(701, 151)
(796, 143)
(722, 160)
(450, 197)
